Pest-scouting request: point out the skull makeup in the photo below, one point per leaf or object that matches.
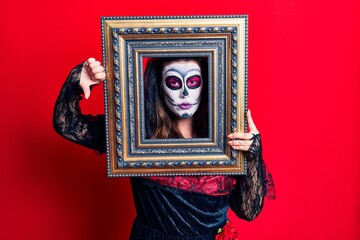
(182, 84)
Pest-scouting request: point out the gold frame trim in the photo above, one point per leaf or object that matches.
(122, 24)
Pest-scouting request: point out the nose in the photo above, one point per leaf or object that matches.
(185, 93)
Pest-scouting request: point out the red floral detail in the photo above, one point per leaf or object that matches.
(210, 185)
(228, 232)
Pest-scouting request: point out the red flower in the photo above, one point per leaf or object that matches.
(210, 184)
(228, 232)
(183, 183)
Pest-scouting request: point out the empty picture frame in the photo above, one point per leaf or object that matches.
(133, 48)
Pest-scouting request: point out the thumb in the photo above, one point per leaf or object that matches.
(251, 123)
(86, 91)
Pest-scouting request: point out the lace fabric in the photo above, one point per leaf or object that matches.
(245, 197)
(209, 185)
(86, 130)
(255, 154)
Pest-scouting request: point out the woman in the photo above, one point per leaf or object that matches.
(177, 94)
(178, 207)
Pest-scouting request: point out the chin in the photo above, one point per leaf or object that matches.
(186, 116)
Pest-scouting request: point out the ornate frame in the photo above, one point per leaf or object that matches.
(126, 42)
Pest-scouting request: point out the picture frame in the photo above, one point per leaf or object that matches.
(129, 45)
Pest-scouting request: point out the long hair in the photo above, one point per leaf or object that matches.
(160, 121)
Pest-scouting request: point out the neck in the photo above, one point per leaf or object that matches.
(185, 127)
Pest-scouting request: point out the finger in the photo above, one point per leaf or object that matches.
(87, 62)
(94, 64)
(97, 69)
(241, 148)
(251, 123)
(99, 76)
(90, 60)
(86, 91)
(240, 142)
(239, 135)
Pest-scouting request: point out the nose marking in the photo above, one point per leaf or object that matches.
(185, 92)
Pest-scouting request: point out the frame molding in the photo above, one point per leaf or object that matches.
(126, 43)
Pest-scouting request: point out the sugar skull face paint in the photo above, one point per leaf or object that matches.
(182, 84)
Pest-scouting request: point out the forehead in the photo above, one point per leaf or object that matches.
(181, 66)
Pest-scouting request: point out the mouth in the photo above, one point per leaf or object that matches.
(185, 106)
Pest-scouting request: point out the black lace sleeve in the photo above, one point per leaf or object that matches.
(68, 121)
(247, 198)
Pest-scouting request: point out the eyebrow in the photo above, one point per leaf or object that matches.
(183, 74)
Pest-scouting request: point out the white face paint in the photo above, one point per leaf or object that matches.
(182, 84)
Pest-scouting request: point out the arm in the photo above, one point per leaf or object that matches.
(247, 198)
(68, 120)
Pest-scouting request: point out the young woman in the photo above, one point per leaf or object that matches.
(178, 207)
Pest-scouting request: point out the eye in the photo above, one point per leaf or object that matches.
(173, 83)
(193, 82)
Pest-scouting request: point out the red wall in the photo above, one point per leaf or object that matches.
(304, 86)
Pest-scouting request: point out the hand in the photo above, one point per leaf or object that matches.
(92, 73)
(243, 141)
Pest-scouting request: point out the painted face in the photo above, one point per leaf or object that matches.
(182, 84)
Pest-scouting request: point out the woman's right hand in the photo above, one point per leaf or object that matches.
(92, 73)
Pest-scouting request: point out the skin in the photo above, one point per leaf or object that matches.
(243, 141)
(93, 73)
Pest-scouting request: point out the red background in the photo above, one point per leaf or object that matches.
(304, 82)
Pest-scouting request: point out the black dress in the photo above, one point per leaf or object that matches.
(165, 210)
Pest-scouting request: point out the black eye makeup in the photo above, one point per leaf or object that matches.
(193, 82)
(174, 83)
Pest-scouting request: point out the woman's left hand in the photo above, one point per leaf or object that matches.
(243, 141)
